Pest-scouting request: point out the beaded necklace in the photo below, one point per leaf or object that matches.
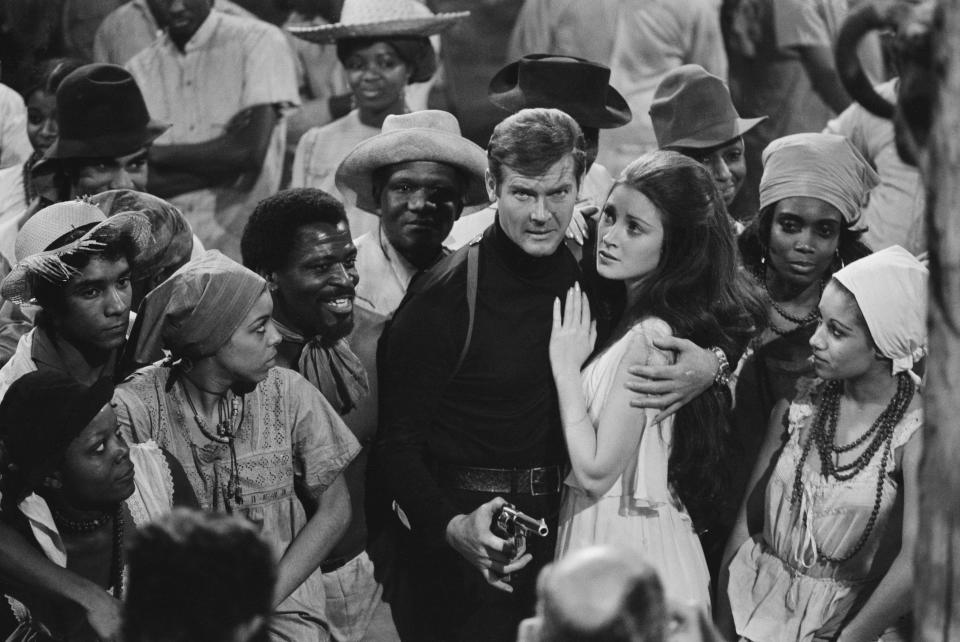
(83, 526)
(77, 526)
(224, 433)
(880, 435)
(812, 317)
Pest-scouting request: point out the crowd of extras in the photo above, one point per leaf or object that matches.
(287, 356)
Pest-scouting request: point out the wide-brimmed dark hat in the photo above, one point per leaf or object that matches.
(100, 113)
(41, 414)
(579, 87)
(692, 108)
(428, 135)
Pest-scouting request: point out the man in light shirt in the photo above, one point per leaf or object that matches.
(224, 83)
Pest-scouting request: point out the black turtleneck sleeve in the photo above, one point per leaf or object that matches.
(499, 409)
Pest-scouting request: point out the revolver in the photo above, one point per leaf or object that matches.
(510, 523)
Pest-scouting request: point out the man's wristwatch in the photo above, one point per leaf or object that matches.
(722, 378)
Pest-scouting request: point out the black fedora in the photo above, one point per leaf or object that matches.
(579, 87)
(100, 113)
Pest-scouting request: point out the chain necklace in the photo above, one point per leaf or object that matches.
(880, 435)
(224, 433)
(83, 526)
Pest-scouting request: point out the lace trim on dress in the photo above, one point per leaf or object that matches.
(153, 494)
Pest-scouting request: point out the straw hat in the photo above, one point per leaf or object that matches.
(371, 18)
(428, 135)
(100, 113)
(579, 87)
(43, 229)
(693, 108)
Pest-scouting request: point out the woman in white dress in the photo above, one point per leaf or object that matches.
(665, 248)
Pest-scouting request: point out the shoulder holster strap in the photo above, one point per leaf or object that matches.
(473, 269)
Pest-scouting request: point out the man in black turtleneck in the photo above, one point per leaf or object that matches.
(469, 412)
(456, 435)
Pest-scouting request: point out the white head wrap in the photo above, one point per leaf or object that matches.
(890, 287)
(824, 166)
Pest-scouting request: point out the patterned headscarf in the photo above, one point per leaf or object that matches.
(196, 311)
(172, 236)
(890, 287)
(823, 166)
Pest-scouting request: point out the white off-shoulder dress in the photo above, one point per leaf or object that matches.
(640, 511)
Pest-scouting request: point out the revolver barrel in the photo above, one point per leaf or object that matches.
(525, 521)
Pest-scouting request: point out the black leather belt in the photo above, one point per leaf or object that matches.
(546, 480)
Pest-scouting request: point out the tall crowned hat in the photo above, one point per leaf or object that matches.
(579, 87)
(388, 18)
(693, 108)
(100, 113)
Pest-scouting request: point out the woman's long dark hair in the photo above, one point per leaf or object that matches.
(700, 290)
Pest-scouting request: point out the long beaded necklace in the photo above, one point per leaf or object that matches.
(224, 433)
(880, 435)
(84, 526)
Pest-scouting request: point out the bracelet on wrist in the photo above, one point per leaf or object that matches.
(722, 377)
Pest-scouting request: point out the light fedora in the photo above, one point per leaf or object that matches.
(693, 108)
(577, 86)
(40, 255)
(371, 18)
(428, 135)
(100, 113)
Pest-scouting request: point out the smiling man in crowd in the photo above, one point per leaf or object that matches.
(299, 241)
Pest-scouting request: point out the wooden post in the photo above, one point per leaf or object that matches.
(937, 577)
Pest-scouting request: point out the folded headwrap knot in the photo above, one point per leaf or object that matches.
(333, 369)
(823, 166)
(890, 287)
